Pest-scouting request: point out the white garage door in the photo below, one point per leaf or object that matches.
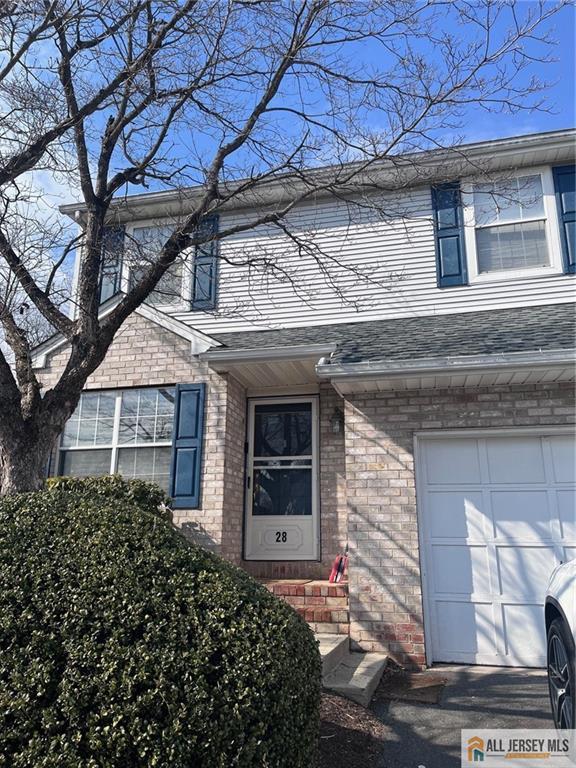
(497, 513)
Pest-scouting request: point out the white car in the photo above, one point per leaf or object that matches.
(560, 613)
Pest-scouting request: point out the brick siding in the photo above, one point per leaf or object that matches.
(384, 578)
(144, 354)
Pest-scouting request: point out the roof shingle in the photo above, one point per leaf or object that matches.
(499, 331)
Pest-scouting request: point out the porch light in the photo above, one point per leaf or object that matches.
(337, 421)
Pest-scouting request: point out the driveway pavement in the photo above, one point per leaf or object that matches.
(428, 736)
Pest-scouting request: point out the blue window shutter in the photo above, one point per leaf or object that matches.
(565, 187)
(111, 264)
(449, 234)
(205, 280)
(187, 437)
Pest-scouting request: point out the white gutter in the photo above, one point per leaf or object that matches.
(412, 164)
(385, 369)
(221, 357)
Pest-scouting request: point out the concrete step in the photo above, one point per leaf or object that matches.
(333, 649)
(357, 676)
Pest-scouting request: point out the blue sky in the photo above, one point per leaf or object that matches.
(560, 97)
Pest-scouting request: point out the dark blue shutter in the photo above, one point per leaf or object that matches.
(449, 232)
(187, 446)
(111, 264)
(565, 186)
(205, 281)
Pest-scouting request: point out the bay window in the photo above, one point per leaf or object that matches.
(128, 432)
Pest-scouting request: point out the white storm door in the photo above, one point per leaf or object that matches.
(282, 480)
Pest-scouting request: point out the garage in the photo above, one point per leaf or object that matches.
(496, 513)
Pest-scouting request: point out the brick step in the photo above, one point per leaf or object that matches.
(322, 604)
(307, 588)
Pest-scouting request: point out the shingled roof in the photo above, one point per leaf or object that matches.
(499, 331)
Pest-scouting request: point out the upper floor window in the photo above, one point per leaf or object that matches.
(145, 243)
(192, 278)
(511, 227)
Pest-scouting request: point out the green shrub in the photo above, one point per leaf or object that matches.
(123, 645)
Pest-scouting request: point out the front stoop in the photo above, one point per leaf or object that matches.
(353, 675)
(322, 604)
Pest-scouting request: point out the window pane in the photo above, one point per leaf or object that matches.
(509, 200)
(70, 432)
(89, 405)
(515, 246)
(146, 429)
(86, 432)
(146, 245)
(127, 430)
(147, 402)
(146, 416)
(283, 429)
(129, 405)
(107, 404)
(109, 284)
(166, 401)
(282, 492)
(85, 463)
(151, 464)
(204, 281)
(104, 431)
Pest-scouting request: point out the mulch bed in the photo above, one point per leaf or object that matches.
(350, 736)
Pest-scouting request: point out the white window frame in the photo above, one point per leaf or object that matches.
(551, 228)
(115, 445)
(187, 263)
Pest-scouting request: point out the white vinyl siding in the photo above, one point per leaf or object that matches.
(395, 257)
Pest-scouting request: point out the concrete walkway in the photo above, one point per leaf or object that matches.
(428, 736)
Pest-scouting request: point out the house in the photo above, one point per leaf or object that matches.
(428, 428)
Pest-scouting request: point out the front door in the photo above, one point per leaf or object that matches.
(281, 479)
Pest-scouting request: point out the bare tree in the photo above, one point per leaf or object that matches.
(240, 97)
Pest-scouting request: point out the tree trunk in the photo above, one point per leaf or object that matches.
(23, 464)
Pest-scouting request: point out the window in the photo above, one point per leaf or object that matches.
(511, 228)
(145, 245)
(126, 431)
(111, 266)
(510, 225)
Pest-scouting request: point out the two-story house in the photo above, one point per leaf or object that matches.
(424, 422)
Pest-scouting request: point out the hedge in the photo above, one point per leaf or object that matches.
(121, 644)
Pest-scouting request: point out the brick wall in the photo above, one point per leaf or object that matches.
(144, 354)
(385, 589)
